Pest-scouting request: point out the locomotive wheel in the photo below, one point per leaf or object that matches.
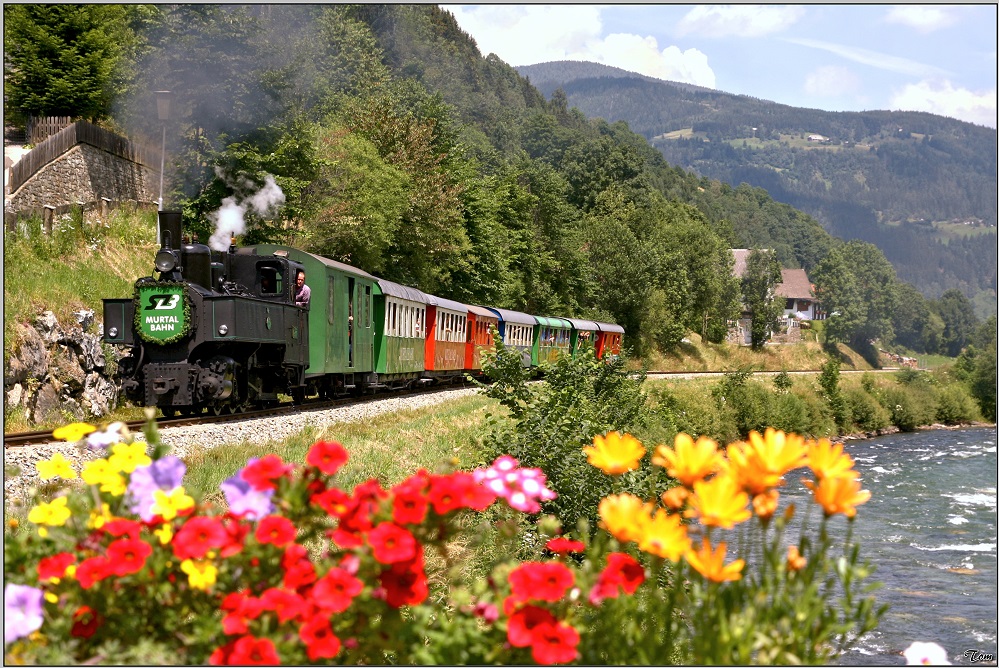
(169, 412)
(298, 395)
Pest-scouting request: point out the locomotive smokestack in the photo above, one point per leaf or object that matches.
(170, 228)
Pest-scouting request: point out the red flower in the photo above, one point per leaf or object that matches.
(235, 536)
(405, 582)
(335, 590)
(128, 556)
(198, 536)
(321, 643)
(335, 502)
(240, 607)
(409, 505)
(326, 456)
(55, 566)
(122, 527)
(92, 570)
(391, 543)
(622, 572)
(275, 529)
(554, 643)
(85, 622)
(286, 604)
(220, 657)
(298, 570)
(522, 624)
(540, 581)
(564, 545)
(263, 473)
(253, 651)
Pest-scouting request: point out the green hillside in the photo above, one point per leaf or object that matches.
(919, 186)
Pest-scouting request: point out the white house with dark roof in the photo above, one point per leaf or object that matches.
(799, 295)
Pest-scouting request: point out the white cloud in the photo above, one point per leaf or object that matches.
(873, 58)
(738, 20)
(922, 18)
(831, 81)
(530, 34)
(944, 99)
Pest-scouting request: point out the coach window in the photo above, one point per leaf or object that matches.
(332, 293)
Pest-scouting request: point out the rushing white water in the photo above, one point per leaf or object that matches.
(930, 531)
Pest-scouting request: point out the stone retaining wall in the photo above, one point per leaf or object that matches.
(85, 174)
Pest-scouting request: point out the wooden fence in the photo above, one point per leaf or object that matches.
(80, 132)
(40, 128)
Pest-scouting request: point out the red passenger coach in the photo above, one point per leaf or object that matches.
(445, 345)
(481, 322)
(609, 339)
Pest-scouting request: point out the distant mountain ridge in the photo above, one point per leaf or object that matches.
(921, 187)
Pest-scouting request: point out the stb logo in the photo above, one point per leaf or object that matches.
(161, 318)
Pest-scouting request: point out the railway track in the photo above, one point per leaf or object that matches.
(16, 440)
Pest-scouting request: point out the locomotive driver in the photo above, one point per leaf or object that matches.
(302, 291)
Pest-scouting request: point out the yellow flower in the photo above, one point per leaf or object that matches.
(719, 502)
(164, 533)
(615, 453)
(128, 457)
(761, 463)
(675, 497)
(56, 467)
(765, 505)
(795, 562)
(99, 472)
(623, 516)
(688, 461)
(200, 574)
(711, 564)
(168, 504)
(664, 536)
(99, 519)
(54, 513)
(838, 495)
(829, 461)
(73, 432)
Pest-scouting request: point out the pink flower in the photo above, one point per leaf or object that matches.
(522, 488)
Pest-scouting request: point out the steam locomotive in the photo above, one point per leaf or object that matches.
(220, 330)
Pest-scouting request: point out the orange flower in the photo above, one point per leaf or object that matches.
(765, 505)
(719, 502)
(675, 497)
(838, 495)
(795, 562)
(829, 461)
(711, 564)
(761, 463)
(664, 536)
(687, 461)
(615, 453)
(623, 516)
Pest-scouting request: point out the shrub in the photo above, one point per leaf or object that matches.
(868, 414)
(955, 405)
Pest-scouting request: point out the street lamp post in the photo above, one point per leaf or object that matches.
(163, 99)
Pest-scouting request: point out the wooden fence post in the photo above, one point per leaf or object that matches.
(10, 220)
(48, 215)
(105, 205)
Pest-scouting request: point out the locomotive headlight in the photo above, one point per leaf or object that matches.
(223, 330)
(113, 332)
(166, 260)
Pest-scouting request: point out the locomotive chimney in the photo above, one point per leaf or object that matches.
(170, 224)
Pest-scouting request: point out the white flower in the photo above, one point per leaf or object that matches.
(925, 654)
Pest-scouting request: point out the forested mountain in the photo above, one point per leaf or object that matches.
(401, 150)
(921, 187)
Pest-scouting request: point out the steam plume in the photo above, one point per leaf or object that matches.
(229, 219)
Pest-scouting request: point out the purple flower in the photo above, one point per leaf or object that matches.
(165, 474)
(22, 611)
(244, 500)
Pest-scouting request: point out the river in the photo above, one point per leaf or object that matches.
(930, 531)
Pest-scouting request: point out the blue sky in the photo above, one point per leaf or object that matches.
(935, 58)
